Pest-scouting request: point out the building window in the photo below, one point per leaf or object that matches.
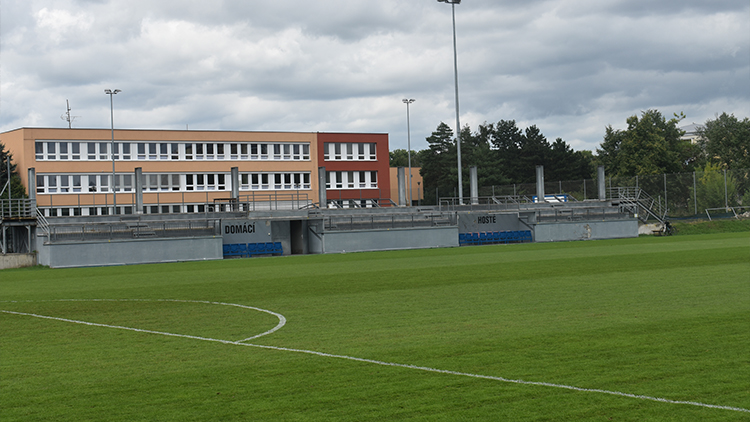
(349, 151)
(63, 151)
(351, 179)
(51, 150)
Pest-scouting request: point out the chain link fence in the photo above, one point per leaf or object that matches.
(701, 193)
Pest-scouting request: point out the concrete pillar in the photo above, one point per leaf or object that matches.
(474, 185)
(235, 183)
(139, 190)
(540, 184)
(322, 198)
(601, 183)
(32, 183)
(401, 186)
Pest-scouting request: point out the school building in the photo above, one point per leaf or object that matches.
(83, 172)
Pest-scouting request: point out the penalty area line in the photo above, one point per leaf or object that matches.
(391, 364)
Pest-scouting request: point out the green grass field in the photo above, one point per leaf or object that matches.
(666, 318)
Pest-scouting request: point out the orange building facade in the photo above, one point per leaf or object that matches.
(186, 171)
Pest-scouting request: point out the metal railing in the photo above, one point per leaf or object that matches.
(388, 221)
(17, 208)
(686, 194)
(132, 229)
(42, 223)
(637, 200)
(261, 202)
(499, 202)
(582, 214)
(729, 211)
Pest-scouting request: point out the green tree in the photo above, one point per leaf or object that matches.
(439, 164)
(476, 150)
(400, 158)
(506, 139)
(519, 152)
(565, 164)
(608, 155)
(650, 145)
(16, 187)
(710, 190)
(726, 140)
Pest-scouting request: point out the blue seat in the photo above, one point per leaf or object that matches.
(474, 239)
(462, 239)
(242, 249)
(483, 238)
(269, 247)
(252, 248)
(234, 249)
(278, 248)
(227, 249)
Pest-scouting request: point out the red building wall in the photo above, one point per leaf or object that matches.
(380, 165)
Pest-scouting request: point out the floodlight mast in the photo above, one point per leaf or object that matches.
(112, 119)
(408, 101)
(453, 4)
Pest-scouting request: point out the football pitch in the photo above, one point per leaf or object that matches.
(651, 328)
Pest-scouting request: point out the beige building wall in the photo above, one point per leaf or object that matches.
(417, 185)
(21, 143)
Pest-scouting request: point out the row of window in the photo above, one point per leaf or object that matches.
(125, 209)
(179, 208)
(169, 151)
(353, 203)
(348, 151)
(169, 182)
(351, 180)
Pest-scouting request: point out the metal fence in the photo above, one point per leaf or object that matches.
(582, 214)
(685, 194)
(154, 203)
(133, 229)
(17, 208)
(388, 221)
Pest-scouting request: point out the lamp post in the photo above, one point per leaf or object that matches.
(453, 4)
(112, 118)
(408, 142)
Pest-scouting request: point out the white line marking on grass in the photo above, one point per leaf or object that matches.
(282, 321)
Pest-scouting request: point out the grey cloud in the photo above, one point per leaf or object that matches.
(571, 67)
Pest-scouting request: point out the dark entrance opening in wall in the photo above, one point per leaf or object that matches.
(298, 232)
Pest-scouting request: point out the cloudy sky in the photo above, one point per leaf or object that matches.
(571, 67)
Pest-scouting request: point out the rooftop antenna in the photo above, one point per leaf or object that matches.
(67, 117)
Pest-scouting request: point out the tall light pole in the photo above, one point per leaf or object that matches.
(111, 93)
(408, 142)
(453, 4)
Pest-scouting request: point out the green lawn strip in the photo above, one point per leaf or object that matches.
(646, 316)
(715, 226)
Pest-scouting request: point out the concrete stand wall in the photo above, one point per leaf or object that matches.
(381, 240)
(585, 230)
(137, 251)
(17, 260)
